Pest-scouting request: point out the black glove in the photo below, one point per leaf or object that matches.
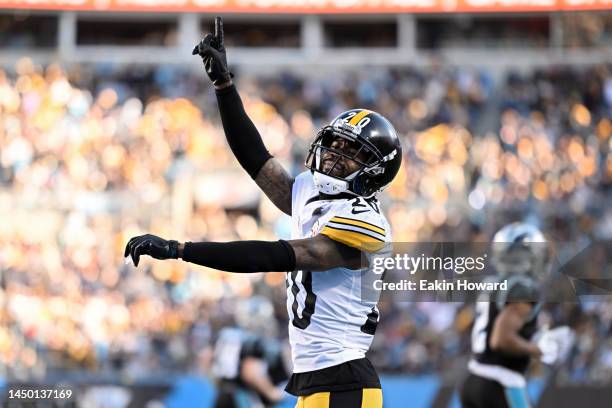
(151, 245)
(212, 51)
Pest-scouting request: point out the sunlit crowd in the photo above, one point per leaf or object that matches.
(89, 159)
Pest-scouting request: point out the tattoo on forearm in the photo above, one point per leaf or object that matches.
(276, 183)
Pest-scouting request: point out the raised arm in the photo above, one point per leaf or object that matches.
(276, 183)
(246, 144)
(242, 135)
(318, 253)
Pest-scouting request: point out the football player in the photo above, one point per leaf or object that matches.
(506, 321)
(248, 363)
(336, 220)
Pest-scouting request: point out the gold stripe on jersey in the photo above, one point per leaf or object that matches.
(358, 230)
(359, 223)
(318, 400)
(355, 239)
(369, 398)
(355, 228)
(372, 398)
(362, 114)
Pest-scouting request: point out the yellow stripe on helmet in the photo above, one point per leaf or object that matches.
(362, 114)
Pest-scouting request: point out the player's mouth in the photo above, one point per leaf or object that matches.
(339, 170)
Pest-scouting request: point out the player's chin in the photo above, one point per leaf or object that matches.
(340, 173)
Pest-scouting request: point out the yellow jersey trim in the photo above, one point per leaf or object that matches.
(358, 223)
(354, 239)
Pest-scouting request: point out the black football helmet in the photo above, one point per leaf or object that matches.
(375, 139)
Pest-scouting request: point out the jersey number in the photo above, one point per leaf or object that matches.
(479, 332)
(362, 123)
(309, 302)
(305, 279)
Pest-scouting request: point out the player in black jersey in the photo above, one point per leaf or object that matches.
(248, 365)
(506, 322)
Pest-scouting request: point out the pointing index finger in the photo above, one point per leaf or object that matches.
(219, 30)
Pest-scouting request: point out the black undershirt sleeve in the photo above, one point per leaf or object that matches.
(242, 135)
(242, 256)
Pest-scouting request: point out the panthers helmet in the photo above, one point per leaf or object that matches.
(375, 136)
(520, 248)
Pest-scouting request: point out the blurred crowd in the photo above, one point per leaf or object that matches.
(91, 156)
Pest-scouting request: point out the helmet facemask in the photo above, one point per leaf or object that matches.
(330, 184)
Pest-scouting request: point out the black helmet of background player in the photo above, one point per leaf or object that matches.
(520, 249)
(377, 146)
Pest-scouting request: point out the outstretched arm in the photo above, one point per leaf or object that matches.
(318, 253)
(242, 135)
(321, 253)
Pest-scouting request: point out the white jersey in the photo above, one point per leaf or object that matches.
(329, 322)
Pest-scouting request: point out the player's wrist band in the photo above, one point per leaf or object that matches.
(242, 256)
(173, 249)
(242, 135)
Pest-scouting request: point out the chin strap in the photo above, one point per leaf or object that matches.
(329, 185)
